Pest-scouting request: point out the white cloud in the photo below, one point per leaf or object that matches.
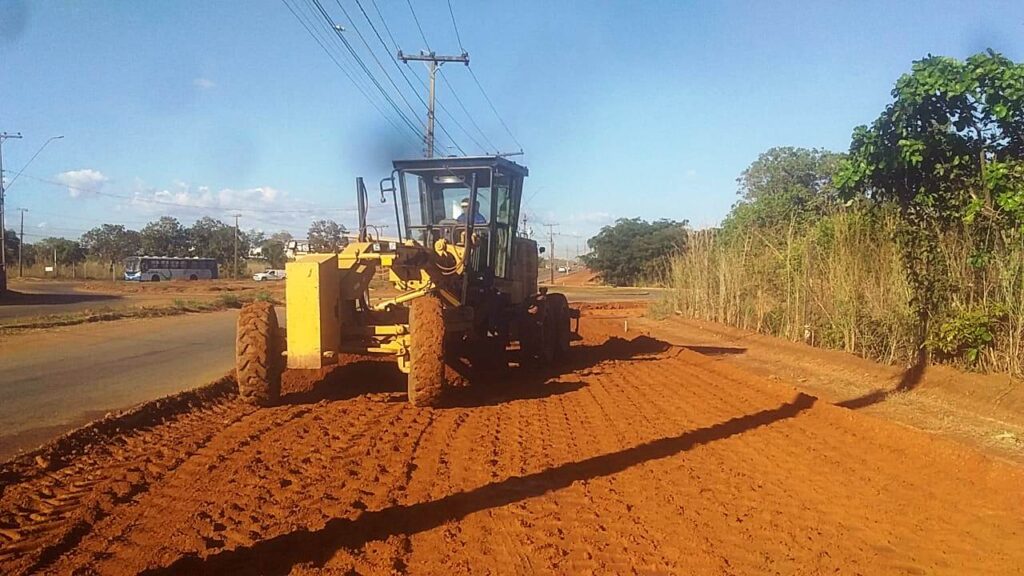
(82, 182)
(204, 83)
(41, 225)
(691, 173)
(202, 198)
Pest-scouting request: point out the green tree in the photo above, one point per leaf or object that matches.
(11, 243)
(947, 151)
(111, 243)
(785, 186)
(326, 236)
(272, 249)
(67, 252)
(211, 238)
(623, 253)
(164, 237)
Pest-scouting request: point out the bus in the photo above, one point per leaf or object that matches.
(157, 268)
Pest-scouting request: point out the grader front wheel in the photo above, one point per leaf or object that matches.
(426, 351)
(258, 362)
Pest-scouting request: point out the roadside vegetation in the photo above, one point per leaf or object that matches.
(107, 313)
(909, 246)
(100, 252)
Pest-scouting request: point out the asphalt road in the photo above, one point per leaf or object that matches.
(52, 381)
(28, 299)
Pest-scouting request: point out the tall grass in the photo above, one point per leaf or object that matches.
(840, 283)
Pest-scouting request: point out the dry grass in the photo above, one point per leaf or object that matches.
(840, 284)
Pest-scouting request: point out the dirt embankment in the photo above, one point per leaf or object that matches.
(637, 456)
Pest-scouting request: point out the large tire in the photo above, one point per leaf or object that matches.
(535, 336)
(426, 351)
(559, 325)
(258, 362)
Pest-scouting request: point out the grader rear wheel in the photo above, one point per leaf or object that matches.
(258, 362)
(558, 325)
(426, 351)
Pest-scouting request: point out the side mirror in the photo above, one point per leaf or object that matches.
(541, 250)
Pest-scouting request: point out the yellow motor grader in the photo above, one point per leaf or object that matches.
(465, 287)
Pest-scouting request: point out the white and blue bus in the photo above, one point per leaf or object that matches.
(157, 268)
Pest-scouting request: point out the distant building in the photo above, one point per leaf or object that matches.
(296, 248)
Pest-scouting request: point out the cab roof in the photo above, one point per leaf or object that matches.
(462, 163)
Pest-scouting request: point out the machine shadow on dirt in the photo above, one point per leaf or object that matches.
(374, 375)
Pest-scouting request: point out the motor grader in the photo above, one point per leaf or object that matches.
(464, 281)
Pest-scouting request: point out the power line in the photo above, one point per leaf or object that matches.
(473, 74)
(405, 76)
(374, 56)
(422, 35)
(456, 26)
(493, 109)
(337, 63)
(468, 115)
(337, 31)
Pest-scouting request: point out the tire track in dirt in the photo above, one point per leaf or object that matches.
(642, 458)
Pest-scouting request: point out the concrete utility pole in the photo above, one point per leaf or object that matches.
(235, 273)
(3, 222)
(551, 241)
(21, 242)
(435, 62)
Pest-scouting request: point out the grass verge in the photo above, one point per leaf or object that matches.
(107, 314)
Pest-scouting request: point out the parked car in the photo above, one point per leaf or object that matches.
(269, 274)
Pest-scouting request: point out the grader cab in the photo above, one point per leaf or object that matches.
(462, 287)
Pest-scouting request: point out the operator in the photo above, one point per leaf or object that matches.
(478, 218)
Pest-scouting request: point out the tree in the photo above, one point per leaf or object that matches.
(947, 151)
(67, 252)
(165, 237)
(273, 249)
(326, 236)
(785, 186)
(211, 238)
(11, 245)
(274, 252)
(623, 253)
(111, 243)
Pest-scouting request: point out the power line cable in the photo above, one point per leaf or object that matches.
(466, 111)
(493, 109)
(394, 60)
(422, 35)
(377, 60)
(333, 26)
(473, 74)
(337, 63)
(456, 26)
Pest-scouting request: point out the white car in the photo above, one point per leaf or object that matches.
(269, 275)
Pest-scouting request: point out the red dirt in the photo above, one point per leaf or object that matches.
(640, 457)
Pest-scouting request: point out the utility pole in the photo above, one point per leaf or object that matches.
(3, 222)
(435, 62)
(235, 274)
(551, 242)
(21, 242)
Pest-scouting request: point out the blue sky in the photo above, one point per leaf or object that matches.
(648, 109)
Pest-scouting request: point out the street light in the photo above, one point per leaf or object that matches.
(52, 138)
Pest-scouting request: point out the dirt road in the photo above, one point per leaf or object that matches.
(55, 380)
(639, 457)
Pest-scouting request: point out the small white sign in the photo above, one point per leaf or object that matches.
(48, 269)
